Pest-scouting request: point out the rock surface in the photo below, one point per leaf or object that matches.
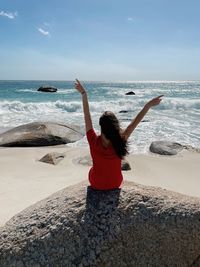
(53, 158)
(135, 226)
(40, 134)
(47, 89)
(165, 147)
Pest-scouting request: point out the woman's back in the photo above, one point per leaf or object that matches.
(106, 171)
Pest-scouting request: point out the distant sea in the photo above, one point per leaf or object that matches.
(177, 118)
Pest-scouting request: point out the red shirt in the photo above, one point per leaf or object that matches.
(106, 171)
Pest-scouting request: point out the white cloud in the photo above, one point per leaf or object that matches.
(46, 33)
(130, 19)
(9, 15)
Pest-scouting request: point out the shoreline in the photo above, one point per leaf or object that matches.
(24, 180)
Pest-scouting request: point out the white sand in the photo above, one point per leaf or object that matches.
(24, 180)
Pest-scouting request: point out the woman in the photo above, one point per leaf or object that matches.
(108, 149)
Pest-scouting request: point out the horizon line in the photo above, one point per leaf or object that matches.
(105, 81)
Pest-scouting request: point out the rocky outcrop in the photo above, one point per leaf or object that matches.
(53, 158)
(87, 160)
(165, 147)
(47, 89)
(40, 134)
(130, 93)
(78, 226)
(123, 111)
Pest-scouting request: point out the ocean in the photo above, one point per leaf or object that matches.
(176, 119)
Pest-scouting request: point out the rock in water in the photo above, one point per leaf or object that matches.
(130, 93)
(165, 147)
(123, 111)
(47, 89)
(135, 226)
(40, 134)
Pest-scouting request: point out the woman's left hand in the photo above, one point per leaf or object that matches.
(79, 87)
(155, 101)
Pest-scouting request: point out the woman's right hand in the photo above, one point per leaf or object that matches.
(79, 87)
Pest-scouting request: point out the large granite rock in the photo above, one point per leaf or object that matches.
(135, 226)
(40, 134)
(165, 147)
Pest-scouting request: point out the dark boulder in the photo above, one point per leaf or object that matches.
(130, 93)
(40, 134)
(125, 166)
(123, 111)
(78, 226)
(165, 147)
(47, 89)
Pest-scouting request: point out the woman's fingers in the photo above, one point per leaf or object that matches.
(79, 86)
(159, 96)
(157, 99)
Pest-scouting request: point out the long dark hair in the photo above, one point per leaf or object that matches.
(111, 129)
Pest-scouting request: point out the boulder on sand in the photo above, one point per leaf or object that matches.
(125, 166)
(47, 89)
(165, 147)
(78, 226)
(40, 134)
(53, 158)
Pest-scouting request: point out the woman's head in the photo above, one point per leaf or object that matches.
(108, 122)
(111, 129)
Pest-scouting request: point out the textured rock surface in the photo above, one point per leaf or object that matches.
(40, 134)
(52, 158)
(165, 147)
(87, 160)
(78, 226)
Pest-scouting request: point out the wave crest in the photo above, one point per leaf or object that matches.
(95, 106)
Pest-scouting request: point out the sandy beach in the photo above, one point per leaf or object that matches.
(24, 180)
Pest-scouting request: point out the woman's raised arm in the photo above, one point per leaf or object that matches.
(86, 109)
(131, 127)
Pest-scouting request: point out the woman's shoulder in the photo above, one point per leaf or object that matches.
(91, 136)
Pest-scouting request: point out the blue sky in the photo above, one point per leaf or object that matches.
(121, 40)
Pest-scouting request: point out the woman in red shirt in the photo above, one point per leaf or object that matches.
(108, 149)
